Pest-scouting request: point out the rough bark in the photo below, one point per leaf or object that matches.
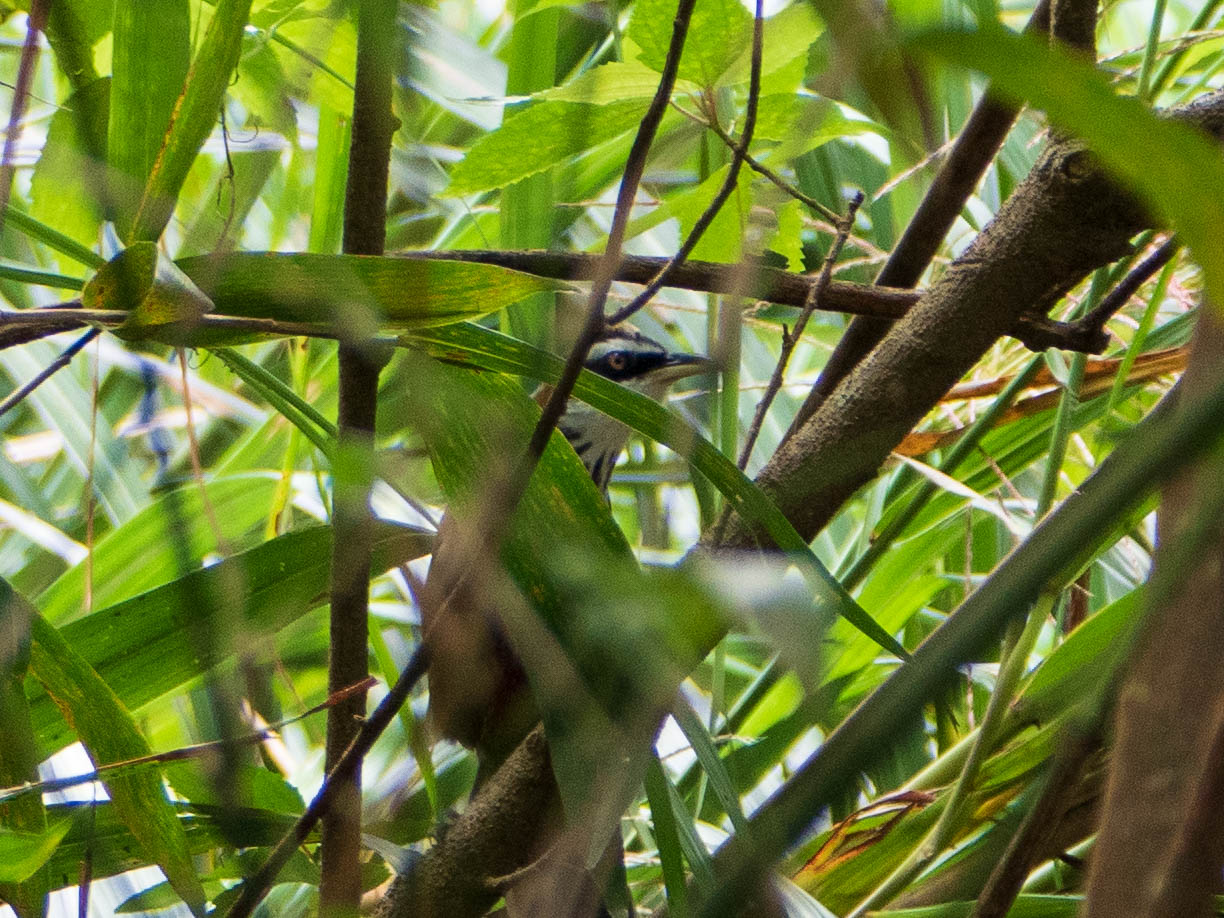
(497, 836)
(1065, 220)
(1161, 841)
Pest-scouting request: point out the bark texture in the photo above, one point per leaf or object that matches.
(1161, 841)
(1065, 220)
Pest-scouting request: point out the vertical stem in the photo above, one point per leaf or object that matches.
(365, 209)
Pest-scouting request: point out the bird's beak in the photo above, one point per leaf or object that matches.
(680, 366)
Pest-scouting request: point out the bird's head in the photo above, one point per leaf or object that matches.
(624, 355)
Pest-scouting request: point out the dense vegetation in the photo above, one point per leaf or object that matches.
(889, 581)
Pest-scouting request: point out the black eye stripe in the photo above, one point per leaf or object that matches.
(622, 365)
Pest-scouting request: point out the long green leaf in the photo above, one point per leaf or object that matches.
(195, 114)
(138, 555)
(544, 135)
(63, 188)
(491, 351)
(144, 646)
(151, 56)
(399, 292)
(22, 854)
(110, 734)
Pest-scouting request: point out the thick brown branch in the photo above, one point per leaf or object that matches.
(1065, 220)
(972, 152)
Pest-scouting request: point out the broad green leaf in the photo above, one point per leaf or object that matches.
(1157, 157)
(357, 290)
(195, 114)
(145, 646)
(723, 240)
(140, 554)
(160, 299)
(257, 787)
(22, 854)
(63, 185)
(151, 56)
(718, 33)
(491, 351)
(110, 735)
(544, 135)
(786, 38)
(615, 81)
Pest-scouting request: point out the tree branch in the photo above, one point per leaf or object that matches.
(974, 150)
(1066, 219)
(365, 218)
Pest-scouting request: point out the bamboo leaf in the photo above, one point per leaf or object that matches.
(544, 135)
(144, 646)
(151, 56)
(195, 114)
(717, 36)
(110, 735)
(374, 291)
(22, 854)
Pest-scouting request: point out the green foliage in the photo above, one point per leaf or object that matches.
(169, 558)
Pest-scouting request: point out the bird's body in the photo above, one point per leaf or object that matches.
(478, 691)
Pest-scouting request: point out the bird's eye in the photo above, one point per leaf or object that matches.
(617, 361)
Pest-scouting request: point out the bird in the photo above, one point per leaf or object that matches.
(478, 688)
(624, 355)
(478, 691)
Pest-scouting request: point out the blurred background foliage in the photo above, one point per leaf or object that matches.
(168, 585)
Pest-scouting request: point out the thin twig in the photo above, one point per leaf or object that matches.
(48, 371)
(728, 186)
(635, 167)
(255, 887)
(761, 169)
(1121, 294)
(36, 22)
(791, 338)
